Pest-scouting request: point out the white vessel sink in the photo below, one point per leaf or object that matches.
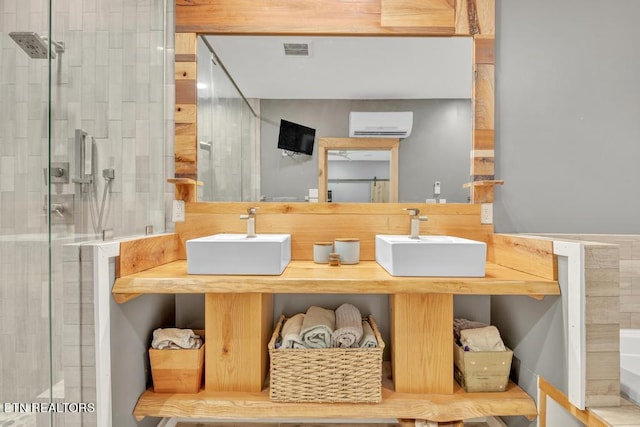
(238, 254)
(429, 256)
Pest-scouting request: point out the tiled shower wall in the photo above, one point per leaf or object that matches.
(115, 81)
(110, 81)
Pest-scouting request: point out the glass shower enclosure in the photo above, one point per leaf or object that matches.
(83, 131)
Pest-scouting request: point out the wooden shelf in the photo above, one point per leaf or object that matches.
(306, 277)
(186, 188)
(185, 181)
(442, 408)
(483, 183)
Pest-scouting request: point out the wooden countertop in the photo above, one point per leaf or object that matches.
(306, 277)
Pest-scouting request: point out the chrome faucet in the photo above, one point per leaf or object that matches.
(415, 222)
(250, 216)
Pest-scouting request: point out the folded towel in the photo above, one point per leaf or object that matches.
(368, 337)
(348, 326)
(291, 332)
(482, 339)
(173, 338)
(317, 327)
(462, 324)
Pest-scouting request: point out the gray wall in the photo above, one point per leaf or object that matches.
(567, 110)
(567, 135)
(132, 326)
(535, 331)
(437, 150)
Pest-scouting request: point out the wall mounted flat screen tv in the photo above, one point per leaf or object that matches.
(296, 138)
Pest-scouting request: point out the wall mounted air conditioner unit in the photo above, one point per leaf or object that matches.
(396, 124)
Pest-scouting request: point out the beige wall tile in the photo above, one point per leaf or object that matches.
(603, 337)
(611, 288)
(602, 310)
(625, 286)
(630, 268)
(635, 249)
(630, 304)
(625, 321)
(602, 274)
(603, 401)
(601, 257)
(634, 321)
(603, 365)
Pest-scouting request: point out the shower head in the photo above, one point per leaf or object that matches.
(34, 45)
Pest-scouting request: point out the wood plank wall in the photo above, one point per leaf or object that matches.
(475, 18)
(186, 144)
(312, 222)
(480, 23)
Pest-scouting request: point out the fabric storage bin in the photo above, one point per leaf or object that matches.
(177, 370)
(478, 371)
(326, 375)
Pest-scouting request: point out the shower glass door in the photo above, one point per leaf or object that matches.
(83, 125)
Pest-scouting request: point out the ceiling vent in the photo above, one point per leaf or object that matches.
(396, 124)
(296, 49)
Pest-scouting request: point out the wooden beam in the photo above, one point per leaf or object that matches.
(238, 330)
(429, 369)
(484, 97)
(329, 17)
(484, 48)
(185, 138)
(436, 14)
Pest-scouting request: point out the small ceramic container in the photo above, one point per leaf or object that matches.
(348, 249)
(321, 251)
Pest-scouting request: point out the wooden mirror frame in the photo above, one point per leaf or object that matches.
(369, 144)
(474, 18)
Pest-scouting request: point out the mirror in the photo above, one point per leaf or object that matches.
(319, 91)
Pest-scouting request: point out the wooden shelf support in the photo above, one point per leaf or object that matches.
(186, 188)
(483, 191)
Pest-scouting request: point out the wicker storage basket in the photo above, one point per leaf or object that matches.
(326, 375)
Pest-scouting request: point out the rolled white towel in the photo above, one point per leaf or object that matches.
(291, 332)
(317, 327)
(348, 326)
(482, 339)
(174, 338)
(368, 337)
(460, 324)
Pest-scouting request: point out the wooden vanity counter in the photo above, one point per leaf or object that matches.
(239, 316)
(450, 403)
(307, 277)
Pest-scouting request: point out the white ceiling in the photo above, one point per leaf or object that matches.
(349, 67)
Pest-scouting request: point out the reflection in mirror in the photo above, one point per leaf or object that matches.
(320, 95)
(358, 176)
(332, 172)
(228, 155)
